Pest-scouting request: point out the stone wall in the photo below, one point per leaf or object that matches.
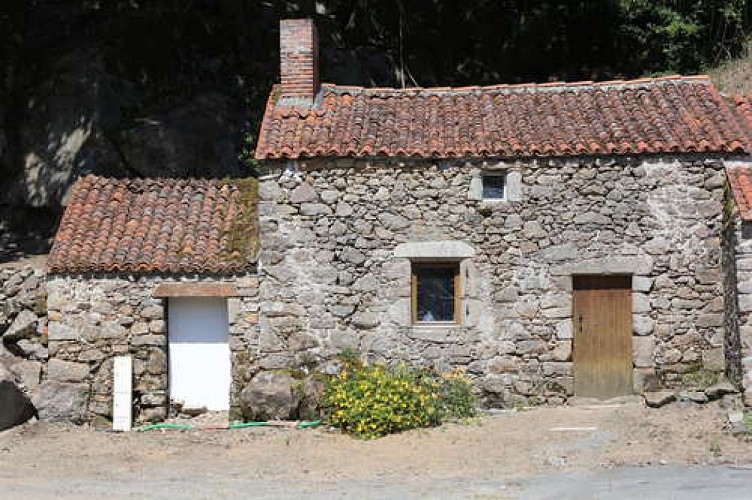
(331, 278)
(737, 256)
(92, 319)
(23, 323)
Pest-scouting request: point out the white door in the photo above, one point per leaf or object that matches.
(199, 354)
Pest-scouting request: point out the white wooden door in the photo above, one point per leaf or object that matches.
(199, 352)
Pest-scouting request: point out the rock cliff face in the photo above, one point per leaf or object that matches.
(82, 119)
(117, 91)
(134, 89)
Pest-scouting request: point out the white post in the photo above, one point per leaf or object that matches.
(122, 393)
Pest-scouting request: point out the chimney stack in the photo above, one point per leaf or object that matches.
(298, 58)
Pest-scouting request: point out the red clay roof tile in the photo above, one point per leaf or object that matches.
(661, 115)
(157, 226)
(740, 181)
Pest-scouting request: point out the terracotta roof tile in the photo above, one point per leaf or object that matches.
(661, 115)
(157, 226)
(740, 181)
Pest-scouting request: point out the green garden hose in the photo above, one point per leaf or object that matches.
(299, 425)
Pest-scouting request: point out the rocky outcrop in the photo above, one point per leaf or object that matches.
(23, 323)
(15, 407)
(81, 120)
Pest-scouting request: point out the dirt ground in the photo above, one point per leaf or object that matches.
(44, 460)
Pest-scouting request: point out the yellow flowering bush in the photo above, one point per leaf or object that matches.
(369, 401)
(457, 398)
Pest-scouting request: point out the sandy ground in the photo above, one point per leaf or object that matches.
(44, 461)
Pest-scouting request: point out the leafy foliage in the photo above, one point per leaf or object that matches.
(369, 401)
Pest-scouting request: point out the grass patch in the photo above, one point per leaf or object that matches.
(699, 377)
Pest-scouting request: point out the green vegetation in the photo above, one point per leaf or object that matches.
(699, 377)
(369, 401)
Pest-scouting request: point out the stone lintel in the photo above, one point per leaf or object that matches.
(195, 290)
(641, 266)
(435, 250)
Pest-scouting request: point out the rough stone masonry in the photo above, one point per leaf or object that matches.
(332, 276)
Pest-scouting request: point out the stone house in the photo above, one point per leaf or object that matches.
(127, 252)
(552, 240)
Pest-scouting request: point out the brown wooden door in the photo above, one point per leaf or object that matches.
(602, 316)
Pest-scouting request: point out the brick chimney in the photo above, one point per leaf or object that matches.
(298, 61)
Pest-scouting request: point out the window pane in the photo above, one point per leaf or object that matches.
(435, 289)
(493, 187)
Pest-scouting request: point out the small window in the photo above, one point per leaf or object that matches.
(494, 186)
(436, 292)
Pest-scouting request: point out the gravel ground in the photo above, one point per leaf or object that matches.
(583, 452)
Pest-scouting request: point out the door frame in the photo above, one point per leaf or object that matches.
(226, 307)
(576, 326)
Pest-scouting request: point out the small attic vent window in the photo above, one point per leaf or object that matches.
(494, 187)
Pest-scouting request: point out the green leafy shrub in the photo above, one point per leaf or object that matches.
(456, 395)
(369, 401)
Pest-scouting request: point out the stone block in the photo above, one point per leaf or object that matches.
(564, 329)
(556, 301)
(558, 253)
(24, 326)
(562, 351)
(639, 265)
(709, 320)
(642, 351)
(112, 330)
(642, 283)
(557, 368)
(278, 309)
(745, 303)
(315, 209)
(645, 380)
(714, 359)
(640, 303)
(504, 364)
(352, 256)
(531, 347)
(57, 401)
(140, 328)
(394, 222)
(152, 312)
(66, 371)
(593, 218)
(343, 209)
(642, 325)
(329, 196)
(659, 398)
(32, 349)
(28, 372)
(365, 320)
(157, 326)
(304, 193)
(436, 334)
(557, 312)
(149, 340)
